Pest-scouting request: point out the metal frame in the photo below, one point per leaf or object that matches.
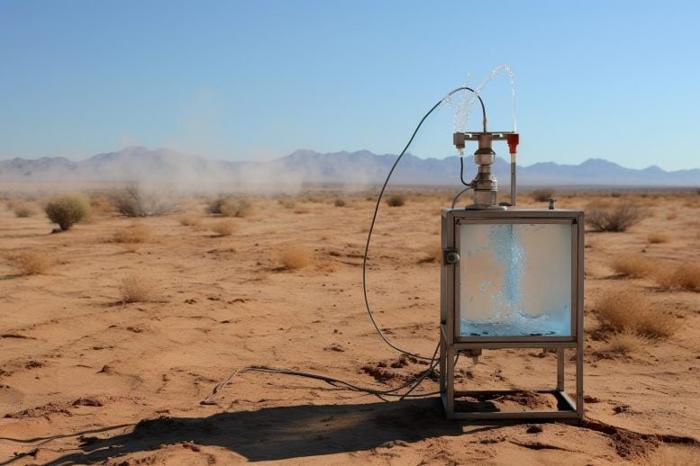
(451, 343)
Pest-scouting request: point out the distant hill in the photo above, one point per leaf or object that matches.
(306, 166)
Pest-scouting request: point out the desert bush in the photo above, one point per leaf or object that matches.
(339, 202)
(683, 276)
(137, 289)
(396, 200)
(634, 266)
(23, 210)
(631, 312)
(287, 203)
(223, 228)
(231, 207)
(624, 342)
(612, 217)
(296, 257)
(67, 210)
(189, 220)
(30, 262)
(542, 195)
(135, 233)
(137, 202)
(658, 238)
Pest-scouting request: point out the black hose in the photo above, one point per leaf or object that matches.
(376, 210)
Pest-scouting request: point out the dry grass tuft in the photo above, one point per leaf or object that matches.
(603, 216)
(296, 257)
(634, 266)
(287, 203)
(339, 202)
(137, 289)
(631, 312)
(658, 238)
(683, 276)
(231, 207)
(135, 233)
(223, 228)
(624, 343)
(30, 263)
(23, 210)
(190, 220)
(396, 200)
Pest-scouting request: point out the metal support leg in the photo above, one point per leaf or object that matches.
(450, 381)
(579, 378)
(443, 356)
(560, 369)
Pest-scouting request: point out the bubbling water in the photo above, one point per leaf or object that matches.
(514, 280)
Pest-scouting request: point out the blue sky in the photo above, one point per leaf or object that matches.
(259, 79)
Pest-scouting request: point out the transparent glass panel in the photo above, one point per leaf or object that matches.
(515, 279)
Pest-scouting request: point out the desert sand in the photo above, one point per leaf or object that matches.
(86, 377)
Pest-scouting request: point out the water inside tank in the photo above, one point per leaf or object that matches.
(515, 279)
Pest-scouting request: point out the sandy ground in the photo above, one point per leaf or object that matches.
(85, 378)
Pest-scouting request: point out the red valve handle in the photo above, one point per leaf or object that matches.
(513, 141)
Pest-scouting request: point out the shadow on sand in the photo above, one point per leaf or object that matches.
(283, 432)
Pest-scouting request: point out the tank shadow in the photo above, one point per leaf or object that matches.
(283, 432)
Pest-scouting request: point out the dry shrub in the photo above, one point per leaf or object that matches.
(682, 276)
(189, 220)
(624, 342)
(67, 209)
(658, 238)
(231, 207)
(630, 312)
(302, 210)
(339, 202)
(634, 266)
(137, 202)
(602, 216)
(296, 257)
(137, 289)
(396, 200)
(671, 216)
(223, 228)
(135, 233)
(287, 203)
(542, 195)
(30, 263)
(23, 210)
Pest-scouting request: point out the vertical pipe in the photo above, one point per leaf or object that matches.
(513, 193)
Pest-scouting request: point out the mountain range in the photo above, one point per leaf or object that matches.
(139, 164)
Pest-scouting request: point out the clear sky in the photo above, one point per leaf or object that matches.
(259, 79)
